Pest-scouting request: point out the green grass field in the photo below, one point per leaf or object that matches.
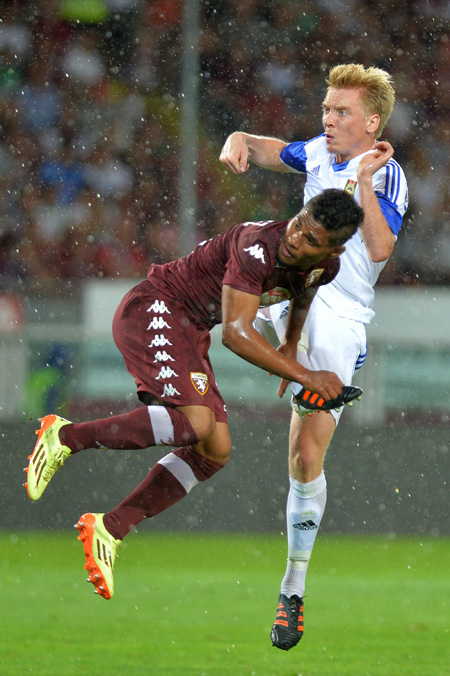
(194, 605)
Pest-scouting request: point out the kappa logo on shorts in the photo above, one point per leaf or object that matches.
(166, 372)
(158, 323)
(200, 382)
(169, 391)
(314, 275)
(160, 307)
(163, 356)
(160, 341)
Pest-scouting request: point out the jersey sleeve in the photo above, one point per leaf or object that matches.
(331, 269)
(249, 264)
(392, 192)
(323, 273)
(296, 154)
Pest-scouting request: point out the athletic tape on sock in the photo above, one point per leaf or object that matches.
(162, 426)
(310, 489)
(180, 470)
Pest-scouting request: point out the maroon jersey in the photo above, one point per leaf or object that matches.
(245, 258)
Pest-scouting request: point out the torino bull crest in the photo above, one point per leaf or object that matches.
(200, 382)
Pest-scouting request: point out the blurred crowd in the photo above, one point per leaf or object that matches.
(90, 94)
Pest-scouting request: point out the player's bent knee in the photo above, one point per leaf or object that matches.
(218, 452)
(204, 429)
(222, 454)
(217, 446)
(305, 466)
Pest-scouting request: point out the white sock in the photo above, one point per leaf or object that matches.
(305, 508)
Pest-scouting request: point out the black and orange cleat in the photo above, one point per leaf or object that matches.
(287, 629)
(307, 402)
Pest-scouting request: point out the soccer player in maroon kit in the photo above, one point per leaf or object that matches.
(162, 329)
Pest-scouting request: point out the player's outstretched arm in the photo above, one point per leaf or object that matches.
(238, 334)
(241, 148)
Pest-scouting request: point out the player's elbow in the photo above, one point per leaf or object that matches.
(379, 257)
(232, 337)
(381, 251)
(381, 254)
(228, 336)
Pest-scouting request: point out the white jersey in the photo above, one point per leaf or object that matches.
(351, 293)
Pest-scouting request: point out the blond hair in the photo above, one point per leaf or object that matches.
(377, 92)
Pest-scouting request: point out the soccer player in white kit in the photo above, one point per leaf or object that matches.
(357, 105)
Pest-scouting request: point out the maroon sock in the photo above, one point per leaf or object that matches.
(129, 430)
(170, 480)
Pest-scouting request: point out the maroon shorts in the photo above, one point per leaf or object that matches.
(165, 350)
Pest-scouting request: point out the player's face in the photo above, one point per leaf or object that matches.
(305, 242)
(348, 130)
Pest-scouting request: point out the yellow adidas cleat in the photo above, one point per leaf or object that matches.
(48, 456)
(100, 550)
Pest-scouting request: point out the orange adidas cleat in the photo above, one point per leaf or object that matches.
(100, 550)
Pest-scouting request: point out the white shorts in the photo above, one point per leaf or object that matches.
(328, 342)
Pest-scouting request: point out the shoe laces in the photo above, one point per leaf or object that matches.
(58, 460)
(294, 606)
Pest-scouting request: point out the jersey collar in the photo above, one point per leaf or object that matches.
(340, 167)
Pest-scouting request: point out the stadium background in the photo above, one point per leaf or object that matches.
(92, 180)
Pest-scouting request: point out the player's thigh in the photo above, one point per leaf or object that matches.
(334, 343)
(202, 419)
(218, 445)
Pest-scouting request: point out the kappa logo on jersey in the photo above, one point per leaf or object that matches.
(274, 296)
(162, 356)
(257, 252)
(350, 187)
(169, 391)
(158, 323)
(160, 307)
(160, 341)
(316, 170)
(200, 382)
(313, 276)
(166, 372)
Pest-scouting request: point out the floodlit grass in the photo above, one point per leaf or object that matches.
(194, 605)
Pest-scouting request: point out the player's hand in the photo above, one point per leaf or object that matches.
(234, 154)
(325, 383)
(377, 157)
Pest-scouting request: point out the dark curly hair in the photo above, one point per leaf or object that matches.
(338, 212)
